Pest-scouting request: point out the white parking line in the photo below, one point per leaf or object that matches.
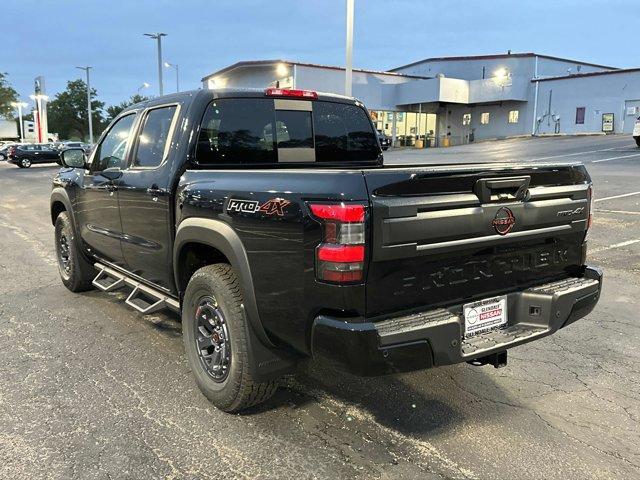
(574, 154)
(616, 158)
(616, 196)
(626, 212)
(616, 245)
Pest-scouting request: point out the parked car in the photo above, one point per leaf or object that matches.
(269, 221)
(25, 155)
(4, 149)
(385, 141)
(64, 145)
(636, 132)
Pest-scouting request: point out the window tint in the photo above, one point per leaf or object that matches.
(110, 153)
(343, 132)
(237, 131)
(152, 141)
(294, 129)
(252, 131)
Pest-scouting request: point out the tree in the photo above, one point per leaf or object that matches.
(7, 96)
(114, 110)
(67, 112)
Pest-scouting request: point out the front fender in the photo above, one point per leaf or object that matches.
(60, 195)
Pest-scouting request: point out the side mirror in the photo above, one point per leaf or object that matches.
(112, 173)
(73, 158)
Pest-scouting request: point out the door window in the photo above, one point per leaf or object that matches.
(112, 150)
(153, 141)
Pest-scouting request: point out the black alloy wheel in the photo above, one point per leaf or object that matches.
(212, 339)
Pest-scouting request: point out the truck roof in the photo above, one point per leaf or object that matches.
(211, 94)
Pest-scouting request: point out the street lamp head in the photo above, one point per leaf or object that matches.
(19, 104)
(39, 97)
(146, 84)
(155, 35)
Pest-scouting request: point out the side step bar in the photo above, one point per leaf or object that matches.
(143, 298)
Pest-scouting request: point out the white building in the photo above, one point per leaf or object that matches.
(462, 99)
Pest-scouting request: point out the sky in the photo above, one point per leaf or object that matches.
(52, 37)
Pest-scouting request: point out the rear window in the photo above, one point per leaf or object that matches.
(237, 131)
(245, 131)
(343, 132)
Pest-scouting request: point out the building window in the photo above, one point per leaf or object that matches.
(466, 119)
(513, 116)
(484, 118)
(580, 115)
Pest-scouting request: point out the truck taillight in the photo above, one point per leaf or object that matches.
(340, 256)
(591, 206)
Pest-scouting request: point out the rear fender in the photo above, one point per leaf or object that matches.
(269, 361)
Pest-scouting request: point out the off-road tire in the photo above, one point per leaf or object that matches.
(238, 390)
(80, 272)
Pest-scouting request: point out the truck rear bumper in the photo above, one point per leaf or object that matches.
(435, 338)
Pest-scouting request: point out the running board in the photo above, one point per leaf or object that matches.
(142, 298)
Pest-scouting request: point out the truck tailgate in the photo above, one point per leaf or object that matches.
(449, 234)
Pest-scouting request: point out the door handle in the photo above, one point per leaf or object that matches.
(155, 190)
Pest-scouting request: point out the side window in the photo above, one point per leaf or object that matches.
(111, 151)
(237, 131)
(153, 140)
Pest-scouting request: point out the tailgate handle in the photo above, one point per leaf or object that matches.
(505, 188)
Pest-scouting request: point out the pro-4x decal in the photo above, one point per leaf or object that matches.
(275, 206)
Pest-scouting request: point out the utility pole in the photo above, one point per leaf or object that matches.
(349, 49)
(158, 36)
(89, 113)
(20, 106)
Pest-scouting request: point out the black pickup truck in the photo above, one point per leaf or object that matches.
(268, 220)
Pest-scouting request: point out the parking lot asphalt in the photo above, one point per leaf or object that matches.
(91, 389)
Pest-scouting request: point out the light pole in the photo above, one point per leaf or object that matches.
(20, 106)
(86, 69)
(144, 85)
(158, 36)
(38, 98)
(174, 65)
(349, 66)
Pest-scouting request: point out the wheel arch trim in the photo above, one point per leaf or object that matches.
(60, 195)
(221, 236)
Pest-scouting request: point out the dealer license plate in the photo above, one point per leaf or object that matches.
(484, 315)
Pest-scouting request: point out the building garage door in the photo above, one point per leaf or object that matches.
(631, 112)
